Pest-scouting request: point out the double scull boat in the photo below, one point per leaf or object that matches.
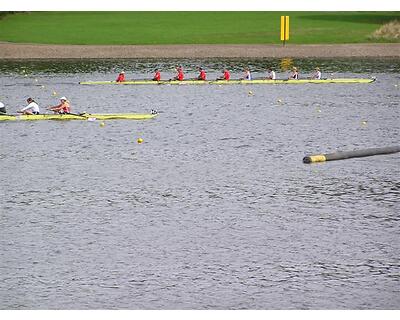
(82, 116)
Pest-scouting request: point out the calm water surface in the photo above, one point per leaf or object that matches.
(215, 209)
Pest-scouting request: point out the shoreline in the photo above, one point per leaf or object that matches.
(17, 51)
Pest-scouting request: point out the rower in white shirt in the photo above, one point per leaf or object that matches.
(294, 75)
(2, 108)
(316, 75)
(271, 74)
(247, 74)
(31, 108)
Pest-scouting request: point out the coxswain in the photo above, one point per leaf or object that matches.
(271, 74)
(247, 74)
(316, 75)
(202, 75)
(63, 107)
(2, 108)
(179, 75)
(31, 108)
(294, 75)
(226, 75)
(121, 77)
(157, 75)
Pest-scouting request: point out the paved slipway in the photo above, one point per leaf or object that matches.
(43, 51)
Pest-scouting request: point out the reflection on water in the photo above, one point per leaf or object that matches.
(286, 64)
(215, 209)
(367, 65)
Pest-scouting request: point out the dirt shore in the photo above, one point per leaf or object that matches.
(39, 51)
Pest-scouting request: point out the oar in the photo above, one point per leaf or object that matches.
(27, 114)
(312, 78)
(148, 79)
(83, 114)
(263, 78)
(163, 81)
(176, 80)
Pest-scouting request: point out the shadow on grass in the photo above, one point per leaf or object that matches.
(370, 18)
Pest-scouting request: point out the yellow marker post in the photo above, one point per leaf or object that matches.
(284, 29)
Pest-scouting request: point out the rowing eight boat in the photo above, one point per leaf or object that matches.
(225, 82)
(84, 116)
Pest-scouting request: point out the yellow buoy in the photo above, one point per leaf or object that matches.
(318, 110)
(279, 100)
(54, 93)
(250, 93)
(139, 140)
(364, 122)
(102, 124)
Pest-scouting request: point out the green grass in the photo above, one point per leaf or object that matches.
(189, 27)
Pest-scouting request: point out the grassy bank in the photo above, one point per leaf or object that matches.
(190, 27)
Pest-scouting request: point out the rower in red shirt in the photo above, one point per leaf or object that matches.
(180, 75)
(157, 75)
(121, 77)
(226, 75)
(63, 107)
(202, 75)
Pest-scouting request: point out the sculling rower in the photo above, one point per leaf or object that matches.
(63, 107)
(226, 75)
(31, 108)
(121, 77)
(316, 75)
(202, 75)
(179, 75)
(271, 74)
(247, 74)
(2, 108)
(157, 75)
(294, 75)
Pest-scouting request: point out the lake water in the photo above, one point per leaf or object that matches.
(215, 209)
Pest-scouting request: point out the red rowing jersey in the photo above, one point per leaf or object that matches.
(121, 77)
(202, 75)
(180, 75)
(65, 108)
(227, 75)
(157, 76)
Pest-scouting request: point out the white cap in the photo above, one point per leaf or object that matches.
(63, 98)
(122, 72)
(1, 104)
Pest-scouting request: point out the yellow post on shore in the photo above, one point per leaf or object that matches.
(284, 29)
